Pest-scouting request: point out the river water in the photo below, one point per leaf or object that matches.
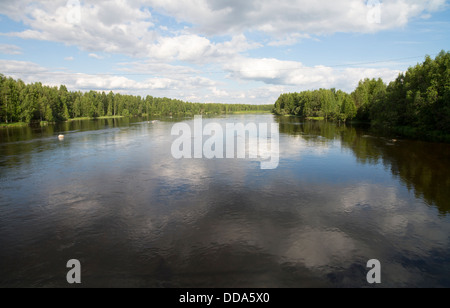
(112, 196)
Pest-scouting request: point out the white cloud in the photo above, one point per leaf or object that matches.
(69, 58)
(95, 56)
(20, 69)
(184, 48)
(156, 68)
(197, 49)
(14, 9)
(183, 82)
(8, 49)
(294, 16)
(176, 61)
(110, 26)
(120, 27)
(290, 73)
(289, 40)
(158, 86)
(127, 27)
(219, 93)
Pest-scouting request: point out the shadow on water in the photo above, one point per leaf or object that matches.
(421, 166)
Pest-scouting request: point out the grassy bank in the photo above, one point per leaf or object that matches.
(315, 118)
(46, 123)
(12, 125)
(96, 118)
(251, 112)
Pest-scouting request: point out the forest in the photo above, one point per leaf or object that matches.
(416, 103)
(32, 103)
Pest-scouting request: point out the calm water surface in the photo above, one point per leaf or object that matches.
(111, 195)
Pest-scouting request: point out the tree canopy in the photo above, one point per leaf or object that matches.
(418, 99)
(36, 102)
(329, 104)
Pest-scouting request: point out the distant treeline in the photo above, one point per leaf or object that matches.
(20, 102)
(417, 101)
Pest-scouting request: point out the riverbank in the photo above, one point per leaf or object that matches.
(95, 118)
(315, 118)
(413, 133)
(46, 123)
(251, 112)
(13, 125)
(406, 132)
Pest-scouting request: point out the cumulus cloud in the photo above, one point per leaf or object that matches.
(290, 39)
(182, 82)
(215, 38)
(120, 27)
(295, 16)
(14, 9)
(291, 73)
(154, 67)
(20, 69)
(110, 26)
(31, 72)
(8, 49)
(95, 56)
(197, 49)
(128, 27)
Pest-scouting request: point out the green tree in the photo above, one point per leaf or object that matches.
(348, 108)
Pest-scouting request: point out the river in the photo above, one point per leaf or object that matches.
(112, 195)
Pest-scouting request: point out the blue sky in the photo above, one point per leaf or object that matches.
(224, 51)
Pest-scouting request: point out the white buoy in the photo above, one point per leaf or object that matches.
(61, 137)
